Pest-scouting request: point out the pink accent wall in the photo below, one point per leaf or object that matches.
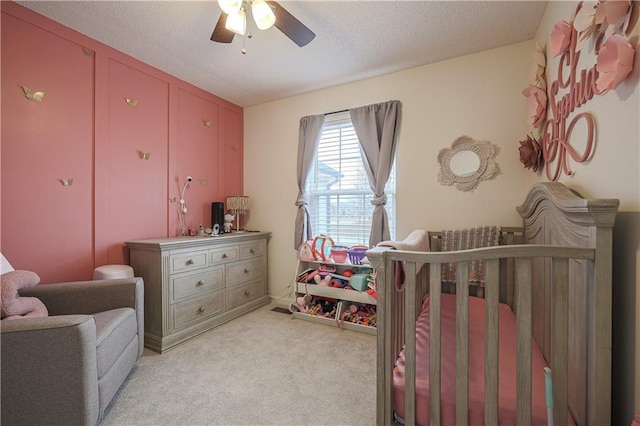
(84, 129)
(198, 124)
(136, 187)
(44, 223)
(232, 152)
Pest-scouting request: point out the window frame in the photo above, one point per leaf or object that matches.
(321, 223)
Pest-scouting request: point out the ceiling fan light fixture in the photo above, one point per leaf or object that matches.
(230, 7)
(262, 14)
(237, 22)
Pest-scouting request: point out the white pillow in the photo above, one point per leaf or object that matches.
(6, 266)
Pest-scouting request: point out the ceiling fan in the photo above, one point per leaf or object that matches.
(233, 20)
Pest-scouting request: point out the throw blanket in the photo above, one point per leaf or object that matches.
(12, 306)
(465, 239)
(417, 240)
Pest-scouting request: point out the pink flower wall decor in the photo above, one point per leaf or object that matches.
(584, 20)
(537, 100)
(614, 63)
(531, 154)
(560, 37)
(613, 16)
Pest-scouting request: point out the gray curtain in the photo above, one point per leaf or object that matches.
(308, 139)
(377, 127)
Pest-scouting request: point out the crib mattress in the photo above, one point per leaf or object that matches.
(507, 367)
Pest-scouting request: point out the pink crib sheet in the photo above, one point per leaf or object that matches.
(507, 367)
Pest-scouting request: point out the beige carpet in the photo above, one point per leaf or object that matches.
(263, 368)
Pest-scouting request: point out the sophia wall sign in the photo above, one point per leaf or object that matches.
(566, 133)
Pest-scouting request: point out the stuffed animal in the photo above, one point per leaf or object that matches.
(301, 304)
(12, 306)
(324, 281)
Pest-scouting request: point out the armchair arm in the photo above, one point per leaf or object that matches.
(89, 297)
(49, 365)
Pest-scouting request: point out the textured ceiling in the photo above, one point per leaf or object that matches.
(354, 39)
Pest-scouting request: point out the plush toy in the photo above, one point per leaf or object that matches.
(322, 280)
(12, 306)
(301, 304)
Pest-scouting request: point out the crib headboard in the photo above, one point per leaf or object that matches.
(553, 214)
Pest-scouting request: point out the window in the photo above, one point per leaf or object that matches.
(338, 187)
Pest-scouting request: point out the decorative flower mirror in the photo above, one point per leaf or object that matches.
(467, 163)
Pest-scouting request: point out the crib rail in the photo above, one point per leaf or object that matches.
(397, 313)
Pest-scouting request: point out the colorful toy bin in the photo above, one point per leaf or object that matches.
(339, 253)
(356, 254)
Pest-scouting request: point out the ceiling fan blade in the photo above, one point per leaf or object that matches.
(290, 26)
(220, 33)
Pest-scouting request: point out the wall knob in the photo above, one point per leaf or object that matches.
(253, 251)
(225, 255)
(201, 282)
(246, 293)
(201, 309)
(246, 270)
(190, 262)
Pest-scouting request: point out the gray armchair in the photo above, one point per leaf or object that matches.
(66, 368)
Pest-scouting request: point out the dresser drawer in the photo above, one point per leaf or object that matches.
(241, 295)
(194, 311)
(193, 284)
(240, 272)
(253, 249)
(182, 262)
(227, 254)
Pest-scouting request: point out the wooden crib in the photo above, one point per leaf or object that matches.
(558, 284)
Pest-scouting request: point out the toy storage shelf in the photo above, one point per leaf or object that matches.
(335, 293)
(332, 322)
(339, 294)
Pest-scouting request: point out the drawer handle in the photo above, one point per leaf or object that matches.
(190, 262)
(199, 283)
(246, 293)
(253, 251)
(201, 309)
(225, 255)
(246, 270)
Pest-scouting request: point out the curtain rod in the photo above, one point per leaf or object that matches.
(336, 112)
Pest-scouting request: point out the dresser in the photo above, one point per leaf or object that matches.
(192, 284)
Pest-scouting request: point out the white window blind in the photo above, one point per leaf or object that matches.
(338, 188)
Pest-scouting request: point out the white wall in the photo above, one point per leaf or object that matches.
(614, 172)
(476, 95)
